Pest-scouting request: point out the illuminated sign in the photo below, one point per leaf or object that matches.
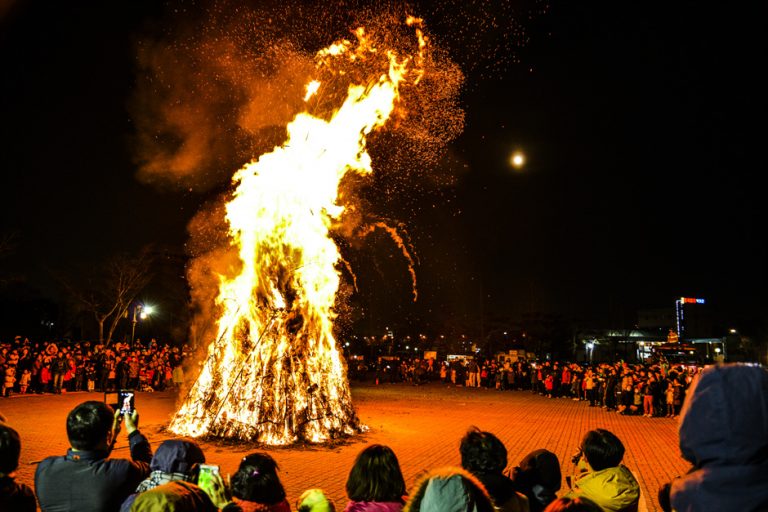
(680, 313)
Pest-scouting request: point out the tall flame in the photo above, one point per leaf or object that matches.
(274, 374)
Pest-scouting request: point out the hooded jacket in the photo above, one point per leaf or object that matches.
(449, 490)
(539, 478)
(614, 489)
(503, 493)
(174, 497)
(174, 460)
(724, 434)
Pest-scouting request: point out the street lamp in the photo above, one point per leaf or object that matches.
(146, 311)
(142, 311)
(733, 336)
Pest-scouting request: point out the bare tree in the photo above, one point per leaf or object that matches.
(108, 295)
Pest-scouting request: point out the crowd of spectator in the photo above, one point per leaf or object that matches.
(177, 478)
(651, 390)
(49, 367)
(723, 434)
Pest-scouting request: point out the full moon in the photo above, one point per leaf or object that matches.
(517, 160)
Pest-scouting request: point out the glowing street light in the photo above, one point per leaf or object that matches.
(733, 336)
(143, 312)
(590, 348)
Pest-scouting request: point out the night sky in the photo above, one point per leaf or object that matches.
(642, 125)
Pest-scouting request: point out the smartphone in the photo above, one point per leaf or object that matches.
(209, 469)
(126, 400)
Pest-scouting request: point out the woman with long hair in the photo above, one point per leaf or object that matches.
(375, 482)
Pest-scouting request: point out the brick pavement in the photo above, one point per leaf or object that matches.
(423, 425)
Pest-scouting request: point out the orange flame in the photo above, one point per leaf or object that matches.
(274, 374)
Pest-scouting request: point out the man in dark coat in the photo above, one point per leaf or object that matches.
(85, 479)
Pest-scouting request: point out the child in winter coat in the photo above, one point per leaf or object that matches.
(637, 400)
(549, 384)
(178, 376)
(10, 380)
(669, 395)
(90, 376)
(45, 378)
(26, 377)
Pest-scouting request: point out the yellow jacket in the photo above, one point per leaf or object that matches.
(614, 489)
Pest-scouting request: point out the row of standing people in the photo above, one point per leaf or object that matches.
(56, 368)
(640, 389)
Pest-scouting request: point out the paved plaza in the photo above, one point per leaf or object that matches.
(422, 424)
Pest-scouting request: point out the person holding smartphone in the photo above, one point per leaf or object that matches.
(600, 475)
(126, 401)
(180, 481)
(86, 479)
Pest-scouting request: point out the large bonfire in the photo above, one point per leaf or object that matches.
(274, 373)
